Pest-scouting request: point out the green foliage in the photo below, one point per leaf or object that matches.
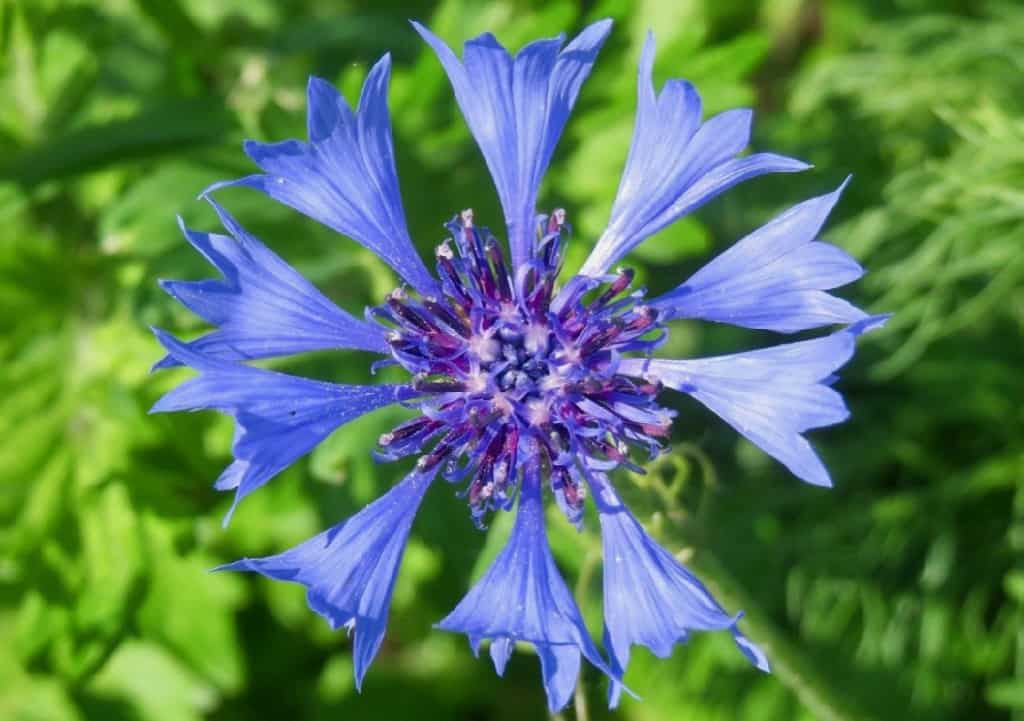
(897, 595)
(944, 96)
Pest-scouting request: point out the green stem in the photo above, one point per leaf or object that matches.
(587, 568)
(580, 701)
(788, 664)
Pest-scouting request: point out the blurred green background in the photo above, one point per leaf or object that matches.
(897, 595)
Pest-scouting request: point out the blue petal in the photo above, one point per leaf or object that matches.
(501, 652)
(560, 667)
(263, 307)
(675, 164)
(650, 599)
(350, 569)
(773, 279)
(522, 597)
(279, 417)
(344, 177)
(770, 396)
(517, 109)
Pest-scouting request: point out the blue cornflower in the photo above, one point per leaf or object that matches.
(520, 382)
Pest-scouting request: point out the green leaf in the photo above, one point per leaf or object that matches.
(33, 697)
(190, 610)
(171, 19)
(111, 582)
(154, 684)
(129, 225)
(68, 75)
(169, 126)
(1008, 693)
(38, 624)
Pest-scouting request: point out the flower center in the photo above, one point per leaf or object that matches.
(499, 357)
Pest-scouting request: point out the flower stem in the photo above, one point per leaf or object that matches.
(587, 568)
(788, 664)
(580, 700)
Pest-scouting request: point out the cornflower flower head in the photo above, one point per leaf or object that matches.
(523, 384)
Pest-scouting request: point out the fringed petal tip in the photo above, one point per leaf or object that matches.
(522, 597)
(869, 324)
(770, 396)
(177, 354)
(278, 417)
(344, 177)
(758, 659)
(704, 162)
(560, 668)
(650, 598)
(349, 570)
(168, 361)
(501, 652)
(261, 306)
(775, 279)
(516, 108)
(615, 691)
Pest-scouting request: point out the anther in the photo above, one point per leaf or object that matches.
(557, 220)
(621, 282)
(444, 251)
(421, 382)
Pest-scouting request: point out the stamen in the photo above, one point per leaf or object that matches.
(557, 220)
(444, 251)
(497, 358)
